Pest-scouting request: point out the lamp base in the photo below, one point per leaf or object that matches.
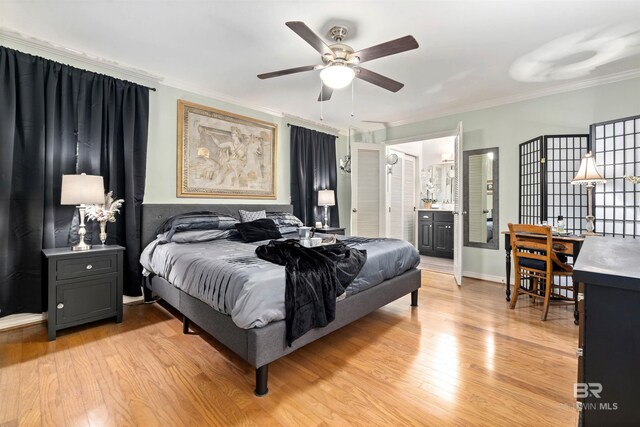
(82, 246)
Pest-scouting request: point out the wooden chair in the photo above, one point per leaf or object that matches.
(536, 262)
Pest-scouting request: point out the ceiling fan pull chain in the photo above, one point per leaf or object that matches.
(352, 97)
(321, 100)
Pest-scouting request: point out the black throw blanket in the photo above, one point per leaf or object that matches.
(315, 277)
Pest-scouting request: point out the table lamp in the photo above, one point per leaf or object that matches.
(82, 190)
(326, 198)
(589, 175)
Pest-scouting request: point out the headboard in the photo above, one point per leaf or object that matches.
(155, 214)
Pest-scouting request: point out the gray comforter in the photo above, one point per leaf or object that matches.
(229, 276)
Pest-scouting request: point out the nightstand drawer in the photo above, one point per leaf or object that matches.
(72, 268)
(86, 299)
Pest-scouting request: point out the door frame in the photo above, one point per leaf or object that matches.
(456, 133)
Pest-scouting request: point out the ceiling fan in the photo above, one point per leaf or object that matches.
(341, 64)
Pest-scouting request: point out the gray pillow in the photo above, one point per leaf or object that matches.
(285, 219)
(202, 235)
(248, 216)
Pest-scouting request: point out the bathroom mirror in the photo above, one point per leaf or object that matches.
(480, 198)
(442, 175)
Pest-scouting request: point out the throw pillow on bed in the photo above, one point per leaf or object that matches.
(285, 219)
(195, 236)
(196, 221)
(260, 229)
(248, 216)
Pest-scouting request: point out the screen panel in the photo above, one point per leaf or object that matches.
(530, 206)
(616, 146)
(563, 156)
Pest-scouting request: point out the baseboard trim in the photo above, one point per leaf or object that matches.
(22, 319)
(482, 276)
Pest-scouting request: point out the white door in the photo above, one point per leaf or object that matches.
(409, 200)
(402, 184)
(367, 189)
(458, 222)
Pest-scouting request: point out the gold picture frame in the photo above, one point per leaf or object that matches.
(225, 155)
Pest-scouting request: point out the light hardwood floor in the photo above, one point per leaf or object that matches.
(439, 265)
(460, 358)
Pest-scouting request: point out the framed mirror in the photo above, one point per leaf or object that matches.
(480, 198)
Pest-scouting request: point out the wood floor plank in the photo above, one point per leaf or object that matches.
(461, 358)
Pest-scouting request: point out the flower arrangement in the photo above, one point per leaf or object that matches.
(428, 189)
(105, 212)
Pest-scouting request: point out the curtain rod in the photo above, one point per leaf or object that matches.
(337, 136)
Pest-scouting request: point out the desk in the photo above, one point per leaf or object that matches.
(568, 245)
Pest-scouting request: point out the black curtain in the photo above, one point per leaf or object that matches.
(313, 168)
(55, 120)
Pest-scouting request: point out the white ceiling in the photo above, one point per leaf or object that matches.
(469, 50)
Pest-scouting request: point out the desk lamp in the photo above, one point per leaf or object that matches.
(589, 175)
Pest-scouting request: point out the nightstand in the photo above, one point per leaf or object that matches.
(329, 230)
(83, 286)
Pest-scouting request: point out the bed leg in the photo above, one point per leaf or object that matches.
(185, 324)
(148, 297)
(414, 298)
(262, 376)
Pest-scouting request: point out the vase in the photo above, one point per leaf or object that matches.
(103, 231)
(427, 205)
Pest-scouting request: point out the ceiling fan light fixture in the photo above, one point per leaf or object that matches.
(337, 76)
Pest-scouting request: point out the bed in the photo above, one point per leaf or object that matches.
(260, 346)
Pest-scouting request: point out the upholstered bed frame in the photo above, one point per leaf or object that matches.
(260, 346)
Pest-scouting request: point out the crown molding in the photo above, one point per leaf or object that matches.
(206, 92)
(133, 73)
(569, 87)
(75, 55)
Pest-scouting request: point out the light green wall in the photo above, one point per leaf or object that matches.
(507, 126)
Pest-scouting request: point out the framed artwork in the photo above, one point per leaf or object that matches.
(222, 154)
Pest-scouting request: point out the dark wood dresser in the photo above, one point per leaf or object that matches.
(608, 386)
(83, 286)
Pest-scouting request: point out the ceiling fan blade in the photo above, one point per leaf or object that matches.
(289, 71)
(379, 80)
(385, 49)
(301, 29)
(325, 94)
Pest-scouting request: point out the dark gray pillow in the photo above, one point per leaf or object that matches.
(196, 221)
(260, 229)
(248, 216)
(194, 236)
(284, 219)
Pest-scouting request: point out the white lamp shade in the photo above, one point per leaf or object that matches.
(326, 198)
(337, 76)
(588, 172)
(82, 190)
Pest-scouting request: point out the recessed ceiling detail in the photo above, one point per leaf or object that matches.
(578, 54)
